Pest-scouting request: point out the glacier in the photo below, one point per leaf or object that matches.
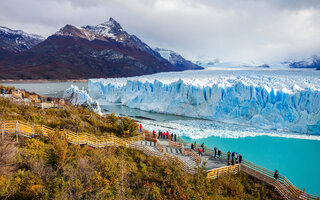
(270, 99)
(80, 97)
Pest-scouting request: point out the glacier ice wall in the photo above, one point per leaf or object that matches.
(240, 100)
(80, 97)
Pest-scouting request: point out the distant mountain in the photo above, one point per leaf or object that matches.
(100, 51)
(263, 66)
(206, 61)
(176, 59)
(311, 62)
(17, 40)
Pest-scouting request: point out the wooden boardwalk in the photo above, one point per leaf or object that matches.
(165, 150)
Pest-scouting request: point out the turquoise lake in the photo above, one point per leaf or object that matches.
(297, 159)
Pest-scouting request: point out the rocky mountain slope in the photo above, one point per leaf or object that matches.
(311, 62)
(176, 59)
(100, 51)
(17, 40)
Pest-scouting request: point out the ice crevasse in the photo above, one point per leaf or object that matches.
(284, 102)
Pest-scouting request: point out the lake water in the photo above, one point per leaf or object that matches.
(55, 89)
(297, 159)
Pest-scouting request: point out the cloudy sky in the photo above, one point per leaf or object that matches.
(232, 30)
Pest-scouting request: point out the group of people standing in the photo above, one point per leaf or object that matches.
(165, 135)
(235, 158)
(200, 149)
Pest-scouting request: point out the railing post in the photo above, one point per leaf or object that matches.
(17, 131)
(87, 140)
(32, 130)
(2, 130)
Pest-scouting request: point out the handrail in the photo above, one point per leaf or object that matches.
(231, 169)
(30, 131)
(159, 146)
(185, 151)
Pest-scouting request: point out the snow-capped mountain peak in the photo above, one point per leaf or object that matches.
(110, 29)
(73, 31)
(18, 40)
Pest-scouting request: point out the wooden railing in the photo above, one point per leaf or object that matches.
(185, 151)
(159, 146)
(216, 173)
(282, 184)
(193, 154)
(29, 130)
(166, 157)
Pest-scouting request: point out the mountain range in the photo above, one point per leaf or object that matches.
(311, 62)
(101, 51)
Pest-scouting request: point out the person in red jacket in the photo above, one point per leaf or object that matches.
(140, 127)
(200, 152)
(154, 133)
(167, 134)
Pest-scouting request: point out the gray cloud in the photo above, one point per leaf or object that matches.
(233, 30)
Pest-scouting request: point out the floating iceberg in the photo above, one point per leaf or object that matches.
(270, 99)
(80, 97)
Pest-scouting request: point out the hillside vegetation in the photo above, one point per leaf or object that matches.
(53, 169)
(77, 119)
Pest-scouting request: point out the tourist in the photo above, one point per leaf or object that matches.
(219, 153)
(175, 137)
(140, 128)
(202, 146)
(199, 150)
(159, 134)
(236, 158)
(171, 136)
(191, 146)
(154, 133)
(215, 151)
(232, 157)
(167, 134)
(240, 158)
(276, 174)
(195, 144)
(229, 155)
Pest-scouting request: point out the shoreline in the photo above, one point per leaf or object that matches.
(43, 81)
